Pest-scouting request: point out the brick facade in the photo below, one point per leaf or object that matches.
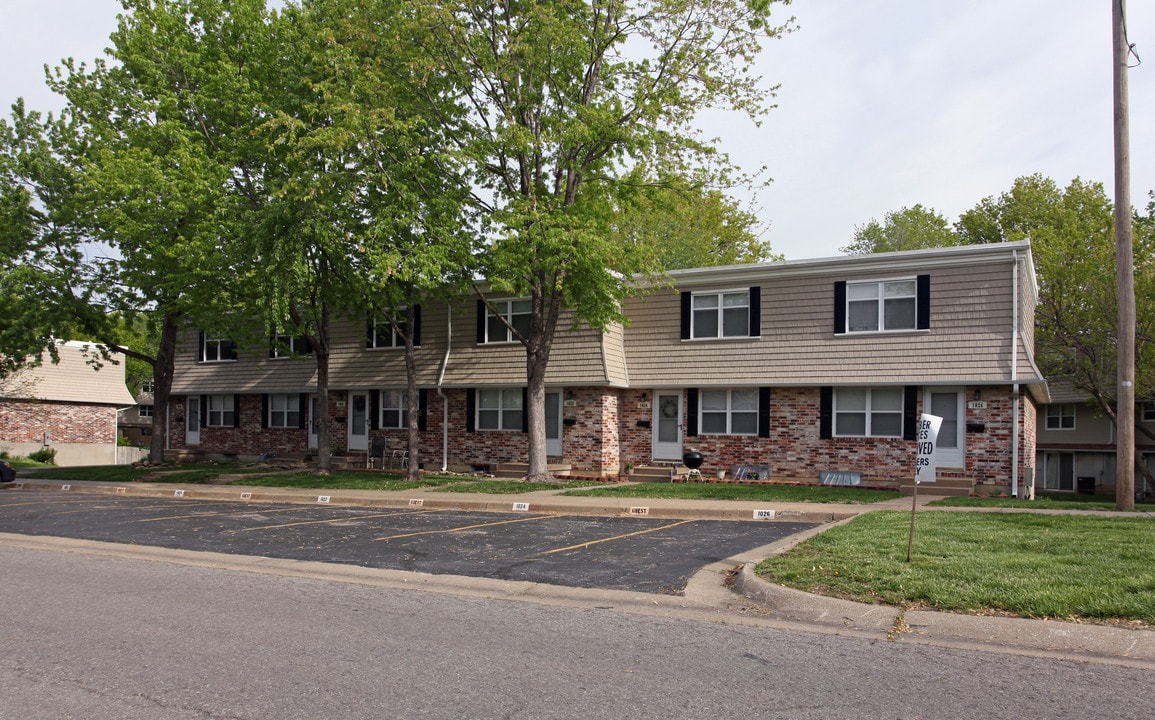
(27, 421)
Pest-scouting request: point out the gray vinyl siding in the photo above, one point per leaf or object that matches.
(252, 372)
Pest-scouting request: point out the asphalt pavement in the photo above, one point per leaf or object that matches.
(1085, 641)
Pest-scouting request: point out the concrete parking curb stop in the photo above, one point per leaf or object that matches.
(1067, 640)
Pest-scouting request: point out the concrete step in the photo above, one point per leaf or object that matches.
(518, 470)
(658, 473)
(950, 486)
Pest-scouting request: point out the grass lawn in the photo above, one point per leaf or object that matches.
(348, 481)
(1047, 501)
(1041, 566)
(510, 487)
(23, 462)
(192, 473)
(733, 491)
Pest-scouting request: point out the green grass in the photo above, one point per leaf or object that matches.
(104, 473)
(347, 481)
(1040, 566)
(25, 463)
(192, 473)
(1048, 501)
(732, 491)
(511, 487)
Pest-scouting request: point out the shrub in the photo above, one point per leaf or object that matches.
(45, 455)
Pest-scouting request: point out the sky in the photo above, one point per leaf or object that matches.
(882, 104)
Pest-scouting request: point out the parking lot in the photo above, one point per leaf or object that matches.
(627, 553)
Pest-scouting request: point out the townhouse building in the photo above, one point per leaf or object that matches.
(799, 366)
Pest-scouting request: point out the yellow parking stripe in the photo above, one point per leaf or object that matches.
(467, 527)
(208, 515)
(338, 519)
(617, 537)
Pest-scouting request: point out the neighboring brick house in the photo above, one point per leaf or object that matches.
(136, 422)
(1076, 443)
(803, 366)
(69, 406)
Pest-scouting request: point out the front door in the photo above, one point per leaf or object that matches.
(313, 421)
(948, 404)
(358, 421)
(192, 416)
(667, 430)
(553, 424)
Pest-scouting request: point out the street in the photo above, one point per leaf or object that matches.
(95, 636)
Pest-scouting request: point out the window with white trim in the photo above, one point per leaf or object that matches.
(868, 412)
(284, 410)
(500, 409)
(728, 412)
(221, 411)
(144, 411)
(218, 350)
(721, 314)
(1149, 411)
(1061, 416)
(288, 346)
(148, 387)
(383, 335)
(881, 306)
(517, 312)
(393, 413)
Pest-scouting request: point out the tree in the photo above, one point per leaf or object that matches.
(911, 228)
(571, 106)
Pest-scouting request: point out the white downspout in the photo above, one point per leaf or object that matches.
(1015, 378)
(440, 392)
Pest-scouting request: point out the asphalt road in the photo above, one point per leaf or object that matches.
(624, 553)
(94, 637)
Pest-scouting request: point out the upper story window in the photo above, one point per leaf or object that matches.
(216, 349)
(722, 314)
(385, 334)
(882, 305)
(728, 412)
(868, 412)
(1149, 411)
(144, 411)
(1061, 416)
(148, 387)
(287, 346)
(285, 411)
(491, 326)
(221, 411)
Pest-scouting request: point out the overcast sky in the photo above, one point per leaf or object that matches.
(883, 104)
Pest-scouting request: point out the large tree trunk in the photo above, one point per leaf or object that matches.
(543, 327)
(162, 372)
(321, 352)
(412, 400)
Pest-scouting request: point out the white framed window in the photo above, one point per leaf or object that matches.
(878, 306)
(1149, 411)
(728, 412)
(382, 335)
(288, 346)
(500, 409)
(868, 412)
(217, 350)
(517, 312)
(393, 413)
(144, 411)
(284, 410)
(1061, 416)
(221, 411)
(148, 387)
(720, 314)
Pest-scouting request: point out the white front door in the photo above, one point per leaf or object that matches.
(553, 424)
(667, 429)
(192, 416)
(313, 421)
(358, 421)
(949, 404)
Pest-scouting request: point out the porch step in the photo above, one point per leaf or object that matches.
(951, 486)
(658, 473)
(518, 470)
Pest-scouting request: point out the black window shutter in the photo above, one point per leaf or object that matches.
(764, 412)
(922, 303)
(525, 409)
(273, 346)
(237, 410)
(204, 409)
(480, 322)
(422, 408)
(201, 347)
(416, 326)
(686, 315)
(909, 410)
(374, 408)
(826, 412)
(840, 307)
(756, 311)
(692, 412)
(228, 350)
(264, 410)
(369, 344)
(303, 411)
(470, 410)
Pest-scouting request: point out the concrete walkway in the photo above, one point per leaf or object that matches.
(1100, 643)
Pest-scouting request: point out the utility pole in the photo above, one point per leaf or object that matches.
(1125, 268)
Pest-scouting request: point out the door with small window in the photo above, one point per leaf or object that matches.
(667, 425)
(553, 424)
(192, 416)
(358, 421)
(948, 404)
(313, 421)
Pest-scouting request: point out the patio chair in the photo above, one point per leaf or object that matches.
(376, 453)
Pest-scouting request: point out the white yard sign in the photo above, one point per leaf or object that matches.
(924, 468)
